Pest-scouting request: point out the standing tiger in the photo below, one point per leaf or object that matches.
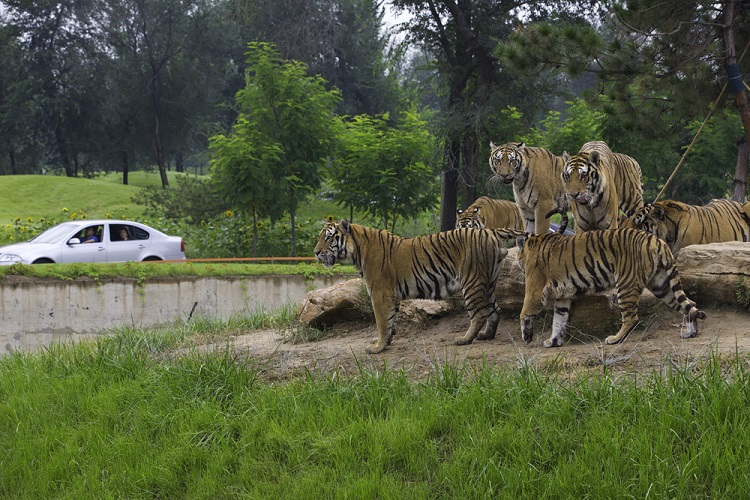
(536, 175)
(559, 268)
(600, 183)
(488, 213)
(425, 267)
(681, 225)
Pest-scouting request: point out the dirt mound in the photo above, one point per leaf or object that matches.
(423, 348)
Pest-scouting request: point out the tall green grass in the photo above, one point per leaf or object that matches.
(127, 416)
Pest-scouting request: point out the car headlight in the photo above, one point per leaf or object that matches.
(10, 257)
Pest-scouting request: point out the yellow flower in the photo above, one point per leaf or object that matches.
(73, 216)
(229, 214)
(29, 220)
(106, 216)
(64, 210)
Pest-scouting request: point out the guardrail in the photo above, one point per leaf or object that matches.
(240, 259)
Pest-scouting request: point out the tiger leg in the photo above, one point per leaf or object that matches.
(385, 308)
(668, 288)
(559, 321)
(490, 328)
(480, 302)
(541, 222)
(628, 300)
(532, 305)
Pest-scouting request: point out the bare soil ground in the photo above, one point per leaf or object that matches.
(423, 347)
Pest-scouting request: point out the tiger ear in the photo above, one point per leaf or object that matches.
(345, 226)
(459, 211)
(565, 156)
(476, 210)
(492, 145)
(520, 241)
(659, 212)
(594, 157)
(521, 145)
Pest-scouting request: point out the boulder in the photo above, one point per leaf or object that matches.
(345, 301)
(348, 301)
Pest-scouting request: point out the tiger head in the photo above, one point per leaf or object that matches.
(650, 218)
(334, 243)
(581, 177)
(506, 161)
(471, 218)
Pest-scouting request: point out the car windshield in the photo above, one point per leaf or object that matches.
(54, 234)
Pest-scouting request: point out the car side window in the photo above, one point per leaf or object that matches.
(139, 234)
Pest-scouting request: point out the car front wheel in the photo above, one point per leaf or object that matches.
(43, 260)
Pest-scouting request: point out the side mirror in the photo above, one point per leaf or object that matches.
(74, 241)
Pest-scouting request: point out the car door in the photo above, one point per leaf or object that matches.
(132, 249)
(84, 252)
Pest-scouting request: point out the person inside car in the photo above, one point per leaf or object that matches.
(90, 237)
(124, 234)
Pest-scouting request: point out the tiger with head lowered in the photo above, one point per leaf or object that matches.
(536, 175)
(559, 268)
(599, 184)
(488, 213)
(681, 225)
(425, 267)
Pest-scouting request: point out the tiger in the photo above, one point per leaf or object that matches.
(487, 213)
(559, 268)
(600, 183)
(427, 267)
(536, 175)
(681, 225)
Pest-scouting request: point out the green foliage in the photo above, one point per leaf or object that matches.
(144, 413)
(281, 141)
(194, 199)
(384, 170)
(568, 130)
(232, 235)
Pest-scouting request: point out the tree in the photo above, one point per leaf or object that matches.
(282, 139)
(384, 171)
(658, 62)
(460, 35)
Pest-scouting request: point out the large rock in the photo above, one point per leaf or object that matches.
(345, 301)
(715, 274)
(348, 301)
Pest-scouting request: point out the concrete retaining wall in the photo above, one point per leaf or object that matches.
(37, 312)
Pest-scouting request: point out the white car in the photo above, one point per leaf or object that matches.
(116, 241)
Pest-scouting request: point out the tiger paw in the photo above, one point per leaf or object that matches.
(463, 341)
(612, 339)
(485, 336)
(375, 348)
(554, 342)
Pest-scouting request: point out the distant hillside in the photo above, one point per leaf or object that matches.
(37, 196)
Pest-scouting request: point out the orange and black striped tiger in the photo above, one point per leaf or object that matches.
(681, 225)
(536, 175)
(426, 267)
(600, 183)
(488, 213)
(559, 268)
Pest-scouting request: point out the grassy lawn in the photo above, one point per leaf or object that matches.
(125, 417)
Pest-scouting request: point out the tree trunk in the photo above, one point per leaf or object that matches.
(125, 168)
(179, 162)
(469, 168)
(294, 234)
(740, 172)
(159, 148)
(448, 185)
(740, 98)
